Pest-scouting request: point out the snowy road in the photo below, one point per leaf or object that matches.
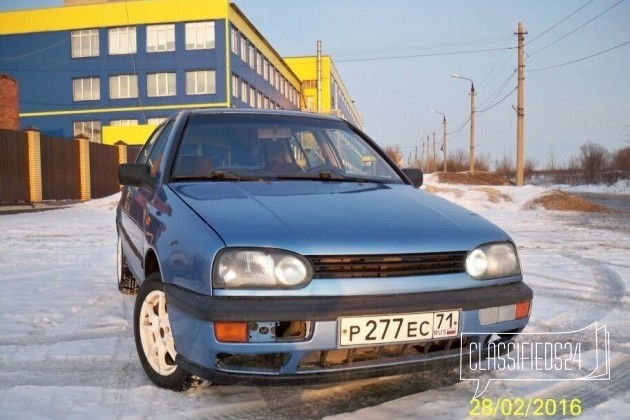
(66, 346)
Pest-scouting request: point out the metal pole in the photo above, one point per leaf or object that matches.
(472, 127)
(444, 140)
(520, 107)
(472, 119)
(434, 157)
(319, 76)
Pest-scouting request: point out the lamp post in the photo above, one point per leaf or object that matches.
(443, 134)
(472, 119)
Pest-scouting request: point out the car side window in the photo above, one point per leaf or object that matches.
(154, 149)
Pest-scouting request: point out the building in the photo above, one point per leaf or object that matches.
(112, 70)
(334, 98)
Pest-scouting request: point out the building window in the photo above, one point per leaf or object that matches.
(244, 48)
(156, 121)
(123, 123)
(161, 84)
(123, 86)
(201, 82)
(199, 35)
(85, 43)
(259, 100)
(252, 56)
(90, 129)
(266, 69)
(252, 97)
(266, 103)
(235, 35)
(160, 38)
(244, 91)
(236, 84)
(88, 89)
(122, 40)
(259, 65)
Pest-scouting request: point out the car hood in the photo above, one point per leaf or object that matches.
(325, 217)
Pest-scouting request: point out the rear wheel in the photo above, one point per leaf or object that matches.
(154, 339)
(126, 281)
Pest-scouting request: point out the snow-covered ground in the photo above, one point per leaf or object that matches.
(620, 187)
(66, 346)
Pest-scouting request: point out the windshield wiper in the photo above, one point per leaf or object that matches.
(217, 176)
(326, 175)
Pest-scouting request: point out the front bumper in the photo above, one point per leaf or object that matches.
(317, 357)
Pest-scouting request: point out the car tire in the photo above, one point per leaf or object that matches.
(126, 281)
(154, 338)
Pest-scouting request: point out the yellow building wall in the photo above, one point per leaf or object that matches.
(121, 13)
(132, 135)
(306, 69)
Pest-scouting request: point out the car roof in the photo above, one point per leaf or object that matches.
(256, 111)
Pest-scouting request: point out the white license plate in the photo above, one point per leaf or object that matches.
(402, 328)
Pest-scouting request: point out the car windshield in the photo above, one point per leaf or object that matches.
(266, 146)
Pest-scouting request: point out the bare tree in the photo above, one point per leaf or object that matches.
(395, 154)
(504, 166)
(482, 162)
(529, 167)
(593, 161)
(621, 160)
(551, 159)
(458, 161)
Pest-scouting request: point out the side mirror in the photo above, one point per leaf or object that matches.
(415, 176)
(135, 174)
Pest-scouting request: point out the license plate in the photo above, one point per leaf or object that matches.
(402, 328)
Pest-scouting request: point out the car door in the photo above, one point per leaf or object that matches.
(135, 199)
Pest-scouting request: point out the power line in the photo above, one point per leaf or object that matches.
(471, 42)
(498, 91)
(497, 103)
(574, 30)
(580, 59)
(557, 24)
(383, 58)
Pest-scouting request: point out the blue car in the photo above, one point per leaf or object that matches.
(286, 247)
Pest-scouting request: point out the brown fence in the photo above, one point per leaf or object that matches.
(36, 167)
(14, 178)
(60, 166)
(132, 153)
(103, 170)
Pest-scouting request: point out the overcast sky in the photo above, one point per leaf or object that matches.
(396, 59)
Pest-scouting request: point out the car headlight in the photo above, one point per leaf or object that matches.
(260, 268)
(492, 261)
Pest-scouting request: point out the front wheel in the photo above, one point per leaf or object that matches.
(154, 339)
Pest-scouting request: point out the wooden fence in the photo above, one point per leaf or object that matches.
(35, 168)
(14, 181)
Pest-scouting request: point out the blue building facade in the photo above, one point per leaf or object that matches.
(116, 66)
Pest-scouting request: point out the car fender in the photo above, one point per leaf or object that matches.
(186, 248)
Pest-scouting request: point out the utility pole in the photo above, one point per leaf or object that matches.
(520, 107)
(444, 140)
(472, 127)
(416, 161)
(472, 119)
(434, 158)
(319, 77)
(443, 134)
(425, 145)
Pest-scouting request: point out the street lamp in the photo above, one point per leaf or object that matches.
(472, 119)
(443, 134)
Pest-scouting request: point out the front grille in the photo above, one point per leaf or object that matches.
(363, 266)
